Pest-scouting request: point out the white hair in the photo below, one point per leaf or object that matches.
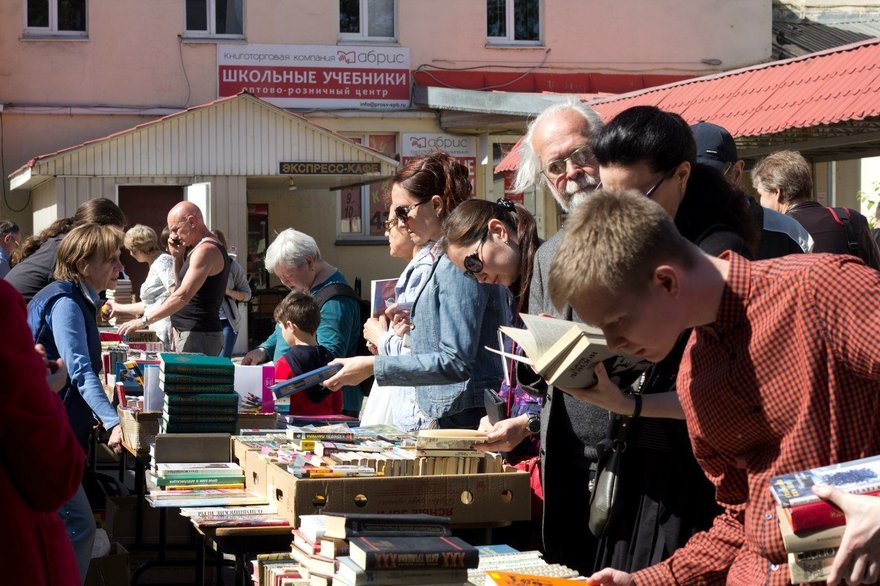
(291, 248)
(529, 171)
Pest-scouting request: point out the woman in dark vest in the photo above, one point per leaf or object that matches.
(62, 317)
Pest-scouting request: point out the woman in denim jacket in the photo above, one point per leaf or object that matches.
(453, 317)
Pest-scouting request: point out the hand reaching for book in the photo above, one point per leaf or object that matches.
(504, 435)
(115, 441)
(354, 371)
(604, 394)
(858, 557)
(374, 328)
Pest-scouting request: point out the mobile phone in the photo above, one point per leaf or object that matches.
(495, 407)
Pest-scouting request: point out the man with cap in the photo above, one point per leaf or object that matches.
(780, 234)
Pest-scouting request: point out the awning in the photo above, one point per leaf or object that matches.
(236, 136)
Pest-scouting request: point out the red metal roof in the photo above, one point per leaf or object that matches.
(822, 88)
(517, 81)
(510, 162)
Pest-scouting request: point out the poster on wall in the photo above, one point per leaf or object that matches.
(463, 148)
(317, 76)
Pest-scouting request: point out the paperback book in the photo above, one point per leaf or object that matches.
(857, 476)
(304, 381)
(387, 553)
(565, 353)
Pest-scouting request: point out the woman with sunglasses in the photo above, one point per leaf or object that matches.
(387, 334)
(495, 243)
(453, 316)
(666, 498)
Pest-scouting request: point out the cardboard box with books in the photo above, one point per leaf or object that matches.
(466, 498)
(139, 428)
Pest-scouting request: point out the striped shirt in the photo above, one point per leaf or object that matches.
(785, 379)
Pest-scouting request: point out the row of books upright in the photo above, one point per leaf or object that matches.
(199, 394)
(812, 528)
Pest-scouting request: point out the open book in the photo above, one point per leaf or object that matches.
(565, 353)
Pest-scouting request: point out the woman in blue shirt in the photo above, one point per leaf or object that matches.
(453, 316)
(62, 317)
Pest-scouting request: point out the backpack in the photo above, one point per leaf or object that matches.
(342, 290)
(861, 246)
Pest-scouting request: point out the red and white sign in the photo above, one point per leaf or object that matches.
(317, 76)
(463, 148)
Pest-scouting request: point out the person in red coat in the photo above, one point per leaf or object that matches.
(41, 463)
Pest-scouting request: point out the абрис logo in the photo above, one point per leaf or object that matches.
(349, 57)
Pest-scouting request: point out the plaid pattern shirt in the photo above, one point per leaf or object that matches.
(785, 379)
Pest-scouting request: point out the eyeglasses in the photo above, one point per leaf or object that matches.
(579, 157)
(654, 187)
(473, 265)
(401, 213)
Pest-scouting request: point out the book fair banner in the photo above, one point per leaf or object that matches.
(463, 148)
(317, 76)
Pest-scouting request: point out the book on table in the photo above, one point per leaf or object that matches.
(349, 573)
(196, 364)
(388, 553)
(348, 525)
(565, 353)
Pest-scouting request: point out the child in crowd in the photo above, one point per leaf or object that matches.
(299, 317)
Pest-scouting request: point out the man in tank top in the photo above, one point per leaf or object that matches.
(201, 284)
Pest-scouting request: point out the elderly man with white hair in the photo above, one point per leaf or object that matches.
(556, 151)
(294, 258)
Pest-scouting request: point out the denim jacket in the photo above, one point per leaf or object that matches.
(454, 318)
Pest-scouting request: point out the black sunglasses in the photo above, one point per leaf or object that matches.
(401, 213)
(473, 265)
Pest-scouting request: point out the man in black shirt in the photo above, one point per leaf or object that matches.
(780, 234)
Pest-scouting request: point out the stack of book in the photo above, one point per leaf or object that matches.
(811, 527)
(199, 476)
(199, 394)
(121, 294)
(271, 569)
(451, 451)
(353, 549)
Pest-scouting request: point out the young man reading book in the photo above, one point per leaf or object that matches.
(299, 317)
(781, 373)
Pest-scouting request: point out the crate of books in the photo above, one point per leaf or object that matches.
(139, 429)
(345, 472)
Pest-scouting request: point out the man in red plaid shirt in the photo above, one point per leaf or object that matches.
(781, 373)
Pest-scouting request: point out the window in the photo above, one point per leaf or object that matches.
(513, 21)
(215, 18)
(55, 17)
(361, 211)
(370, 20)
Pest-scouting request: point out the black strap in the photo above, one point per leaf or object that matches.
(842, 216)
(332, 290)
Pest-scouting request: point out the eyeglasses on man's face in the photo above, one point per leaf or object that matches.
(579, 157)
(660, 181)
(473, 264)
(401, 213)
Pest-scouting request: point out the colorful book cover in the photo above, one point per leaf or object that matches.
(856, 476)
(196, 364)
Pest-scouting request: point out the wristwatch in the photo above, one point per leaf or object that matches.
(145, 320)
(534, 424)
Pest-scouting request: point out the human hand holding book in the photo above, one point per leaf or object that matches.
(858, 557)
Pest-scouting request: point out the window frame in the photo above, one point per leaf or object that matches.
(363, 36)
(364, 236)
(211, 33)
(510, 27)
(52, 29)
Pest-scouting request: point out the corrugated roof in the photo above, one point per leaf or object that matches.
(823, 88)
(795, 39)
(817, 90)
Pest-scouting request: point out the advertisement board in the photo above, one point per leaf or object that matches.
(317, 76)
(463, 148)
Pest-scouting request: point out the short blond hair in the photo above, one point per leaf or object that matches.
(140, 238)
(81, 244)
(612, 243)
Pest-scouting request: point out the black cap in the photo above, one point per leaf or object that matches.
(715, 146)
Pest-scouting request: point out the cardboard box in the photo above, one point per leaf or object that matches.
(139, 429)
(466, 498)
(110, 570)
(256, 472)
(119, 522)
